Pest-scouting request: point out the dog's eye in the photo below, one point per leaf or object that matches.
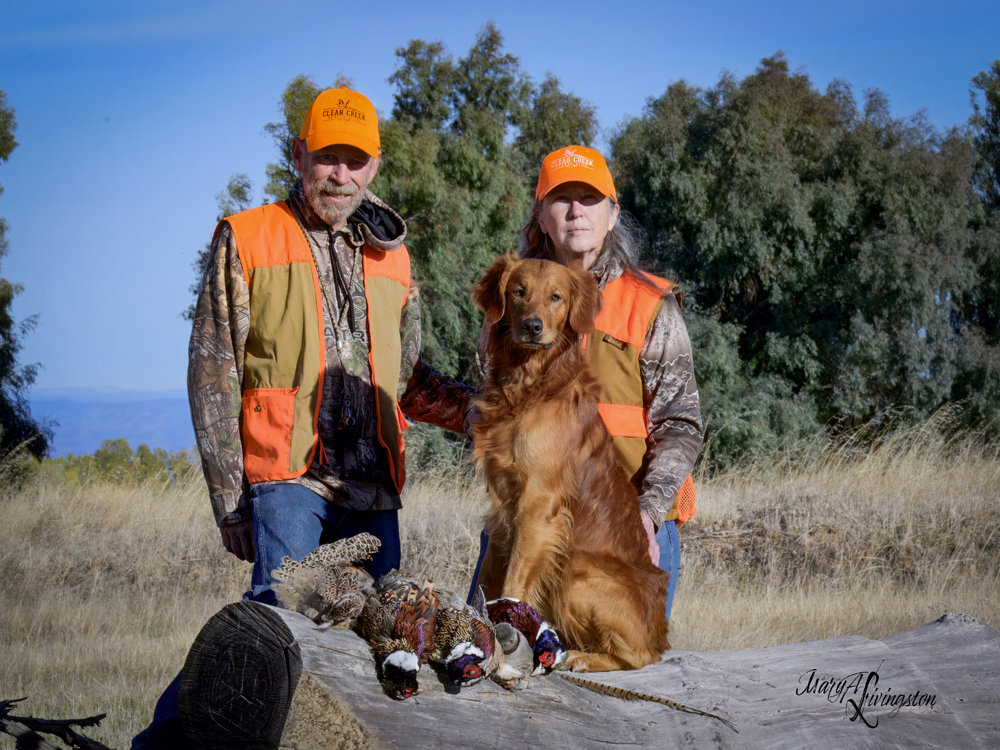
(518, 292)
(555, 298)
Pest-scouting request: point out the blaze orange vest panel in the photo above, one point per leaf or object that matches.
(387, 285)
(613, 349)
(285, 351)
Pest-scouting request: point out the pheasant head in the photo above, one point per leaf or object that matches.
(547, 648)
(397, 667)
(470, 646)
(398, 621)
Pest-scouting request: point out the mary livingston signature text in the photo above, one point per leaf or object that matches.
(859, 692)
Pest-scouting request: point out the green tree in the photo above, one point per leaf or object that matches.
(979, 359)
(237, 196)
(553, 118)
(423, 79)
(462, 150)
(115, 462)
(17, 426)
(832, 246)
(985, 124)
(450, 172)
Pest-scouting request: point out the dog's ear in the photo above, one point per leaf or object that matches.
(586, 301)
(490, 294)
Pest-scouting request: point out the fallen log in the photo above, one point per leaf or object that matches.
(261, 677)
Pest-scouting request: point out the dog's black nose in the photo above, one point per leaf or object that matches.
(532, 326)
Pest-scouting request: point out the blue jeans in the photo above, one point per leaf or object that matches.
(164, 731)
(670, 559)
(292, 520)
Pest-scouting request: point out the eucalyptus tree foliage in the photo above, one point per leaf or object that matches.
(237, 196)
(980, 361)
(985, 124)
(461, 155)
(17, 426)
(831, 255)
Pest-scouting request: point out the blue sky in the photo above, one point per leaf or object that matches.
(132, 116)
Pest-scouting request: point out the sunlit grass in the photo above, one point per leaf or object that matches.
(104, 588)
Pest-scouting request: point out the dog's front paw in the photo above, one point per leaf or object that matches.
(576, 661)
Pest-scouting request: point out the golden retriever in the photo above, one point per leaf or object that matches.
(565, 533)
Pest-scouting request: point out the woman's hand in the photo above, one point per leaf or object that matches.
(654, 548)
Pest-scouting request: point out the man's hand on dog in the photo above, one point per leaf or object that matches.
(654, 548)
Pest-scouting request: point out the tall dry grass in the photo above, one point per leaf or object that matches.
(877, 536)
(102, 591)
(103, 588)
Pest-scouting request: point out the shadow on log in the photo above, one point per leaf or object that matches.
(260, 677)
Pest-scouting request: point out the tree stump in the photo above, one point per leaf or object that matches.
(260, 677)
(239, 678)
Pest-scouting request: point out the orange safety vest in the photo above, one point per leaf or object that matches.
(630, 307)
(285, 354)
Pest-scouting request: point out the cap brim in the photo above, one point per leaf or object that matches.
(321, 140)
(576, 178)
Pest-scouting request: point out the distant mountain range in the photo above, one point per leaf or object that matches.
(88, 416)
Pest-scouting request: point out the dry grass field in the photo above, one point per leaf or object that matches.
(103, 588)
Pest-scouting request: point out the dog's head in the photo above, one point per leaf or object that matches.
(539, 300)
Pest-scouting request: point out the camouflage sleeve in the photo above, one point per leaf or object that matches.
(215, 372)
(671, 396)
(425, 394)
(483, 357)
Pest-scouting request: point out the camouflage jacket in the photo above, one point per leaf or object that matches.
(670, 394)
(355, 472)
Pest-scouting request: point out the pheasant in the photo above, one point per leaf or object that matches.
(327, 585)
(464, 641)
(398, 623)
(547, 649)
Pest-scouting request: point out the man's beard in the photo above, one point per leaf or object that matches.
(334, 214)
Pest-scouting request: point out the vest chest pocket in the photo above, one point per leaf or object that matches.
(268, 416)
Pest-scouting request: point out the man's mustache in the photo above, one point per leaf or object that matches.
(328, 189)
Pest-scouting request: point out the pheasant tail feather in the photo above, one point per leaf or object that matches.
(631, 695)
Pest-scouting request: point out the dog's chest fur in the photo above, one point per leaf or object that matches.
(529, 413)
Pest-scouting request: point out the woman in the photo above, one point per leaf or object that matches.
(639, 351)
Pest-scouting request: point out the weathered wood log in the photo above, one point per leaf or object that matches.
(260, 677)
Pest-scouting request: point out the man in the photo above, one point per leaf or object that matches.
(304, 353)
(306, 345)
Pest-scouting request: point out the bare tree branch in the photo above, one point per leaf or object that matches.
(25, 730)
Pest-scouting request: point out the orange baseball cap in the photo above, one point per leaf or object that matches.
(575, 164)
(341, 116)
